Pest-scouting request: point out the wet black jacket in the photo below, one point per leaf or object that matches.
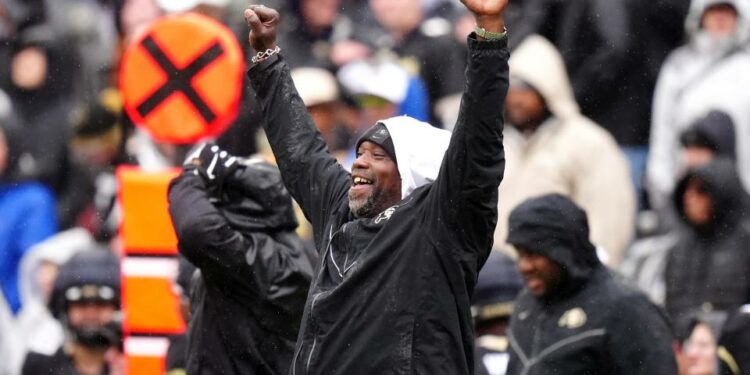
(591, 324)
(392, 293)
(709, 267)
(254, 274)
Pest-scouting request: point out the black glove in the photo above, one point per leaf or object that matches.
(212, 163)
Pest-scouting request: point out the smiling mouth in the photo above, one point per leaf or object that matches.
(357, 181)
(533, 283)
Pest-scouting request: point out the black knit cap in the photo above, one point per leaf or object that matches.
(379, 135)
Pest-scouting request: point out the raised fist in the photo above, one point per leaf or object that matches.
(263, 23)
(488, 13)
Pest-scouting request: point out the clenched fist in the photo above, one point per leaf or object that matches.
(488, 13)
(263, 23)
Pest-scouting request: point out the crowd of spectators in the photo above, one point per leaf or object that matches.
(637, 110)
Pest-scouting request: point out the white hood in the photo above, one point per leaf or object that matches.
(698, 7)
(56, 249)
(537, 62)
(420, 148)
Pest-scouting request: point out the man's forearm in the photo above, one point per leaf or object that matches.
(480, 124)
(310, 173)
(291, 132)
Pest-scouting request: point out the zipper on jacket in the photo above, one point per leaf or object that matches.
(538, 333)
(315, 335)
(331, 235)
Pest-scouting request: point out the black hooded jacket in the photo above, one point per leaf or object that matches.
(592, 323)
(709, 267)
(254, 272)
(400, 302)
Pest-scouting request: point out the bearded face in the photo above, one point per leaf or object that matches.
(376, 183)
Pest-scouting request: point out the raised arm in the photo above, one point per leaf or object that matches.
(311, 174)
(465, 193)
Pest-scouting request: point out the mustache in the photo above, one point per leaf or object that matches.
(363, 173)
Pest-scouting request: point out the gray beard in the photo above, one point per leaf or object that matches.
(366, 208)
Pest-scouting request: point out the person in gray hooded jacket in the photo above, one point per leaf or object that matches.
(574, 316)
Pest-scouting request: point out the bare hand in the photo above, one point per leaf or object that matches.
(488, 13)
(263, 23)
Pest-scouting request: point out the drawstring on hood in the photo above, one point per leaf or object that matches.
(555, 227)
(419, 149)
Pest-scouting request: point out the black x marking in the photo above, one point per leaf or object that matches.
(179, 79)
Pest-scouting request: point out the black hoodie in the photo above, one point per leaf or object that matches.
(593, 324)
(709, 267)
(254, 271)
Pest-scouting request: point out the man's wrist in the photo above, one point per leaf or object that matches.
(492, 24)
(261, 56)
(482, 34)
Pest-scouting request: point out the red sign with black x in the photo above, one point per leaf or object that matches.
(182, 79)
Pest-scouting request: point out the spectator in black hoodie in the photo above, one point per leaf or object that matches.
(709, 267)
(574, 316)
(234, 221)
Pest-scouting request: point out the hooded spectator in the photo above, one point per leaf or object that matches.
(575, 316)
(613, 50)
(549, 147)
(234, 221)
(709, 267)
(708, 73)
(709, 137)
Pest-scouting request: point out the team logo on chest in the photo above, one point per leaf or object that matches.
(572, 318)
(385, 215)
